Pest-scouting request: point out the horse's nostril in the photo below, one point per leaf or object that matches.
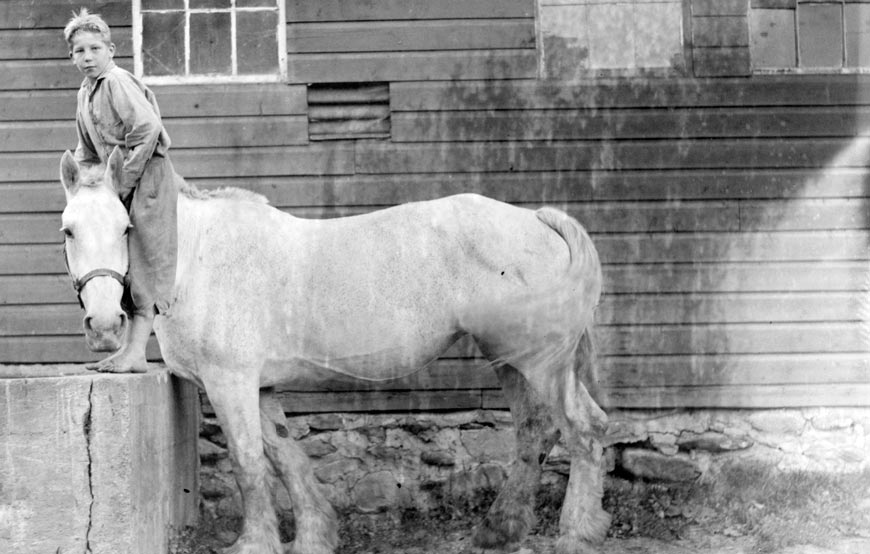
(122, 320)
(88, 323)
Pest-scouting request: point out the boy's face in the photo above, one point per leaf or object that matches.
(90, 53)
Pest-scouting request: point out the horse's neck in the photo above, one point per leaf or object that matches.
(190, 219)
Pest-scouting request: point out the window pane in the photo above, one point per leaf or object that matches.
(162, 4)
(197, 4)
(858, 35)
(773, 39)
(821, 35)
(163, 43)
(658, 34)
(611, 37)
(257, 42)
(210, 43)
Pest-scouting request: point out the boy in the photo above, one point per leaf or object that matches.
(116, 109)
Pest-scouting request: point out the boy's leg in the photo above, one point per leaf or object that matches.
(152, 252)
(131, 357)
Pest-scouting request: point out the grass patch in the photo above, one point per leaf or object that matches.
(779, 509)
(770, 509)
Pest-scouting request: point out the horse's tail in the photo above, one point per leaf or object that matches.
(543, 326)
(583, 278)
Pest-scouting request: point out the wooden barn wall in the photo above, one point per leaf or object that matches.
(731, 214)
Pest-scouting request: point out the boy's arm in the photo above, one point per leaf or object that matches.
(142, 126)
(86, 152)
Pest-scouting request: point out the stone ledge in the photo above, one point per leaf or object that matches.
(95, 463)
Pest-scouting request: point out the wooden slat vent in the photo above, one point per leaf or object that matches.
(342, 111)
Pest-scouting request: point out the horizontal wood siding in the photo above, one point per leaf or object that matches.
(387, 40)
(731, 215)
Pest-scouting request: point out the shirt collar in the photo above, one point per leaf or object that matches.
(92, 85)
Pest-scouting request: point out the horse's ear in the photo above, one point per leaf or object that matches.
(69, 173)
(114, 168)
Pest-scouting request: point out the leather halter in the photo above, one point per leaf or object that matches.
(79, 284)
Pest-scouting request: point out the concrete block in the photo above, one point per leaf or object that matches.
(95, 464)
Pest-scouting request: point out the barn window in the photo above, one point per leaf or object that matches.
(817, 36)
(584, 38)
(209, 40)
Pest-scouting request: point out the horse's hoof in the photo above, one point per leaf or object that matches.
(571, 544)
(248, 547)
(597, 525)
(310, 548)
(501, 529)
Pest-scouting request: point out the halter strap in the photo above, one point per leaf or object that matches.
(79, 284)
(99, 272)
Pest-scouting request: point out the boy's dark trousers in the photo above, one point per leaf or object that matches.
(153, 239)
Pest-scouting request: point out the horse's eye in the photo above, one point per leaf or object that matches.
(67, 231)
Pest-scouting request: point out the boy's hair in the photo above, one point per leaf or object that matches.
(87, 22)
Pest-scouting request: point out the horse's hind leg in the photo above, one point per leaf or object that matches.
(316, 524)
(557, 376)
(237, 409)
(583, 521)
(512, 513)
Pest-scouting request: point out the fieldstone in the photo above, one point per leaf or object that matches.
(385, 453)
(326, 422)
(666, 443)
(648, 464)
(712, 442)
(375, 492)
(437, 458)
(211, 430)
(779, 422)
(214, 485)
(827, 419)
(210, 452)
(489, 444)
(482, 477)
(317, 447)
(333, 471)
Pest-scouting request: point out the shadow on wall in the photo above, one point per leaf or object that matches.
(735, 247)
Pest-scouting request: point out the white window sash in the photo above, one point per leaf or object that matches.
(235, 77)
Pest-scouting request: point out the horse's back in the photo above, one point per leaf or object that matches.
(370, 291)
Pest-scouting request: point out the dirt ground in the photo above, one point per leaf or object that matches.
(745, 511)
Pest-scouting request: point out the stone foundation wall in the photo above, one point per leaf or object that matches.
(374, 462)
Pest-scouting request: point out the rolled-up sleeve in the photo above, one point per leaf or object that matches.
(142, 126)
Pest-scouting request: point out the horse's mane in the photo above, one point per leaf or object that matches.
(230, 193)
(92, 176)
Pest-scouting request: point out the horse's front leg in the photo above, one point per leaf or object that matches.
(238, 411)
(316, 522)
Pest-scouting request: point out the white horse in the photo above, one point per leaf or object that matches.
(264, 299)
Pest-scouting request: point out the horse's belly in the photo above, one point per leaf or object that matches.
(318, 366)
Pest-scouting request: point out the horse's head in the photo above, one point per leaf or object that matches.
(95, 226)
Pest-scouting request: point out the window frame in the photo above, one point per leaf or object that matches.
(843, 69)
(682, 69)
(279, 76)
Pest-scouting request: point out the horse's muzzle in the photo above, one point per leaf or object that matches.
(105, 333)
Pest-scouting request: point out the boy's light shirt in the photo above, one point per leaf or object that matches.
(117, 109)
